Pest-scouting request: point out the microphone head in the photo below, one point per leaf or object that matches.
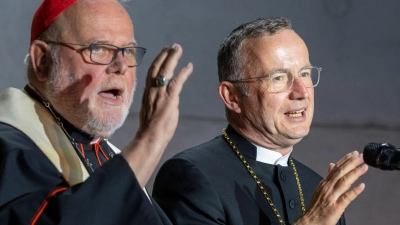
(370, 154)
(379, 155)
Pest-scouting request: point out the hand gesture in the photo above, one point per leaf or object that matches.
(333, 194)
(159, 113)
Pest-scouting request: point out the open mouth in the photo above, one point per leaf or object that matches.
(297, 113)
(111, 93)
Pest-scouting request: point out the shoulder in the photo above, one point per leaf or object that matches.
(12, 138)
(210, 164)
(205, 158)
(23, 167)
(18, 147)
(197, 163)
(184, 191)
(215, 148)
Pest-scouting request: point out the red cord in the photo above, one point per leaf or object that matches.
(45, 203)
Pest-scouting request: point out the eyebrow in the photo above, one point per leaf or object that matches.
(279, 71)
(288, 70)
(309, 65)
(132, 43)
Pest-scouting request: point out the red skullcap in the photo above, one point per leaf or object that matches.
(46, 13)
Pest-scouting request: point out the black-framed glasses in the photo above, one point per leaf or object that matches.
(282, 80)
(105, 54)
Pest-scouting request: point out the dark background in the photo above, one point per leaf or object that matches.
(356, 42)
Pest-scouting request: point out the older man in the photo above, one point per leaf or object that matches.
(246, 175)
(57, 166)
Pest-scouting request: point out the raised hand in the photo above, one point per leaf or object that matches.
(159, 113)
(334, 193)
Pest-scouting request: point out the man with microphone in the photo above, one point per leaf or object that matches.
(246, 176)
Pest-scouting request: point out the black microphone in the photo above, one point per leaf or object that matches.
(382, 155)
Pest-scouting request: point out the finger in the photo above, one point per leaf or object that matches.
(346, 158)
(350, 195)
(152, 73)
(175, 86)
(157, 63)
(169, 64)
(345, 168)
(330, 167)
(345, 182)
(340, 163)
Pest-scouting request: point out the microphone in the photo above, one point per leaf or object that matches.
(382, 155)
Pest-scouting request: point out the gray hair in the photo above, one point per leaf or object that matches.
(230, 55)
(51, 33)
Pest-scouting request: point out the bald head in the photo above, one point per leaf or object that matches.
(75, 20)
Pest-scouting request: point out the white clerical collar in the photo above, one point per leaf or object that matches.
(271, 157)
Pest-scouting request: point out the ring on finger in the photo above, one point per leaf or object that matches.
(161, 81)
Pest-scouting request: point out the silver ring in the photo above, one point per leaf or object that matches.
(161, 81)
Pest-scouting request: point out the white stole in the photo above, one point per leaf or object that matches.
(19, 110)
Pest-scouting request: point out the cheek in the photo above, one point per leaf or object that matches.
(130, 80)
(129, 77)
(311, 98)
(89, 80)
(272, 103)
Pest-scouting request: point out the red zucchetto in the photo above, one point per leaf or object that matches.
(46, 13)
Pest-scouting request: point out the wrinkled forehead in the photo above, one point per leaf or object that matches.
(87, 19)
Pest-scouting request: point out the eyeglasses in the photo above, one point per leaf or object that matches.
(283, 80)
(105, 54)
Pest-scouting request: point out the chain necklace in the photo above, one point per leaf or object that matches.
(259, 184)
(60, 123)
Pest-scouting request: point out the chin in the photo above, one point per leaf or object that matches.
(99, 129)
(104, 124)
(102, 120)
(299, 132)
(299, 135)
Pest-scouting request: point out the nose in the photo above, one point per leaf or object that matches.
(299, 89)
(118, 66)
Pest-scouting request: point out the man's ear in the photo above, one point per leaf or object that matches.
(230, 95)
(39, 59)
